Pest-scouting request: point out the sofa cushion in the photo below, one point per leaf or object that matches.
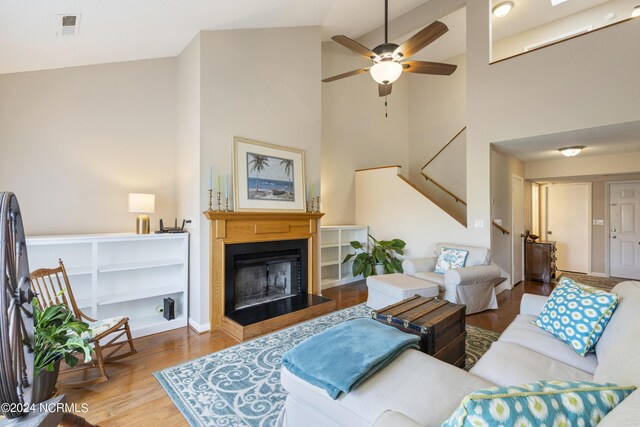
(626, 414)
(577, 314)
(450, 258)
(400, 286)
(524, 333)
(404, 385)
(477, 255)
(432, 277)
(510, 364)
(625, 316)
(543, 403)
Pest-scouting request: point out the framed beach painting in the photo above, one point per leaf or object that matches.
(267, 177)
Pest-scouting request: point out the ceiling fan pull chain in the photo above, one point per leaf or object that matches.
(385, 107)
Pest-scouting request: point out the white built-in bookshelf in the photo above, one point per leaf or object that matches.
(334, 246)
(122, 274)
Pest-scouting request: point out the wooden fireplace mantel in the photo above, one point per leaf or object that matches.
(247, 227)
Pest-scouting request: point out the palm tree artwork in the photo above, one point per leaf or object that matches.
(288, 170)
(258, 163)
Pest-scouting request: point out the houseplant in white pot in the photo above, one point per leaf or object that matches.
(379, 259)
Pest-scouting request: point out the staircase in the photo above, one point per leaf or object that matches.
(445, 176)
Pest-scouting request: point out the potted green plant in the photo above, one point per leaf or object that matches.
(57, 335)
(379, 259)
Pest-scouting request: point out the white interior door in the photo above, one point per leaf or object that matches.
(569, 224)
(624, 230)
(517, 229)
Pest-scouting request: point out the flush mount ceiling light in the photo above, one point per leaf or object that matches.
(502, 9)
(636, 11)
(571, 151)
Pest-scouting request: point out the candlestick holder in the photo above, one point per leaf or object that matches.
(226, 204)
(313, 209)
(210, 200)
(308, 207)
(219, 205)
(317, 203)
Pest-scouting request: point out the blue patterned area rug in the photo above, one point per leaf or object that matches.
(240, 386)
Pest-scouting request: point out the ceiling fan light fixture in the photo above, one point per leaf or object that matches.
(502, 9)
(386, 72)
(571, 151)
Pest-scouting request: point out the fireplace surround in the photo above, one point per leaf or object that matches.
(262, 308)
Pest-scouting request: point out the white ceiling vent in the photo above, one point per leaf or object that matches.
(68, 25)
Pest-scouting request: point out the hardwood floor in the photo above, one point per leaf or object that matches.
(133, 397)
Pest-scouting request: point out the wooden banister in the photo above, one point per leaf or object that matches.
(501, 228)
(440, 186)
(443, 148)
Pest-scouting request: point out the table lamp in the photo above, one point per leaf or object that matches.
(142, 204)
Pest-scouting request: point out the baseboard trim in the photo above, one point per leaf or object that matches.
(199, 328)
(599, 274)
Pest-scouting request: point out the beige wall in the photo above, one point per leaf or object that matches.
(75, 141)
(621, 163)
(247, 90)
(188, 167)
(512, 99)
(355, 132)
(503, 167)
(592, 17)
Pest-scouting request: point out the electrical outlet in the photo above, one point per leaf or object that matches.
(479, 223)
(598, 222)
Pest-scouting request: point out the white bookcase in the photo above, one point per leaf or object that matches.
(334, 246)
(122, 274)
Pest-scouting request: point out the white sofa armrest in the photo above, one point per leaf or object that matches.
(395, 419)
(532, 304)
(416, 265)
(471, 275)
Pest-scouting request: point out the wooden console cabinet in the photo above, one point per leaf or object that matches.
(540, 261)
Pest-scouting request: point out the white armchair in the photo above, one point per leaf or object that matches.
(472, 285)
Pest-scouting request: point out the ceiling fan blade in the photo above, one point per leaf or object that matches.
(384, 90)
(348, 74)
(425, 67)
(422, 38)
(355, 46)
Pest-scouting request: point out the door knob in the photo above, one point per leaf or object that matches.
(613, 230)
(614, 237)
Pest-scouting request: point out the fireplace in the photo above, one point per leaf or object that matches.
(262, 272)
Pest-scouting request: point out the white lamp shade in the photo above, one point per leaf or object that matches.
(386, 72)
(142, 203)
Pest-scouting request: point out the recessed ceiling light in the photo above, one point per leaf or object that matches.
(636, 11)
(571, 151)
(609, 16)
(502, 9)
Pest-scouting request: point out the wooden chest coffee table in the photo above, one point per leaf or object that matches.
(439, 324)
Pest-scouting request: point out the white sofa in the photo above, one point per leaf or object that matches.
(472, 285)
(419, 390)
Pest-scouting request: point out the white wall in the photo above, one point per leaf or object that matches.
(75, 141)
(355, 132)
(247, 90)
(188, 167)
(394, 209)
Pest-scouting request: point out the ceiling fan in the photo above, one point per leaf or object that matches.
(390, 60)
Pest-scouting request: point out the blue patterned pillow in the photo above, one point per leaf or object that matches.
(450, 258)
(550, 403)
(577, 314)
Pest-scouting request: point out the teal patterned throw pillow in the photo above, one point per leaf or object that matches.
(544, 403)
(450, 258)
(577, 314)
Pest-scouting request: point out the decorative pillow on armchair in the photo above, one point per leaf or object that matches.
(549, 403)
(450, 258)
(577, 314)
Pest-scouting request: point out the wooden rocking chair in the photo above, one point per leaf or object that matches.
(52, 287)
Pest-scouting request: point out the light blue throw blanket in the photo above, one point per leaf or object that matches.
(343, 356)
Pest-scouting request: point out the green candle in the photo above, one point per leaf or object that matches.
(218, 183)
